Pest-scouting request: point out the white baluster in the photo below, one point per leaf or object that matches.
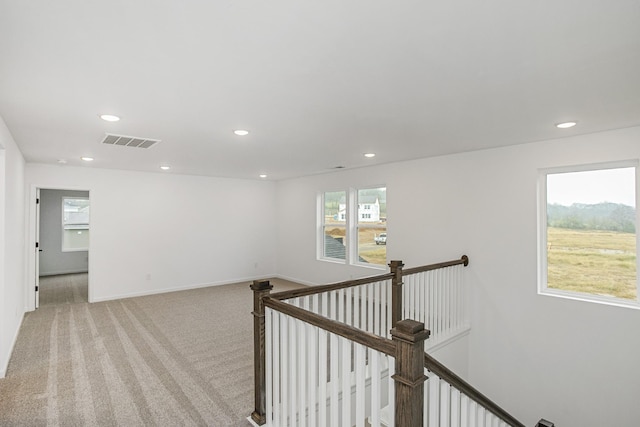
(360, 384)
(434, 400)
(445, 404)
(370, 303)
(277, 375)
(345, 372)
(392, 391)
(376, 390)
(455, 407)
(349, 306)
(303, 373)
(356, 307)
(335, 383)
(377, 307)
(432, 305)
(268, 327)
(322, 378)
(312, 374)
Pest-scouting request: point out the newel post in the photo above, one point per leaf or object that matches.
(396, 291)
(409, 378)
(260, 289)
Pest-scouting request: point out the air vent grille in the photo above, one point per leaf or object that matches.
(129, 141)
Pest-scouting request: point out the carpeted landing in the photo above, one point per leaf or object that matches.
(177, 359)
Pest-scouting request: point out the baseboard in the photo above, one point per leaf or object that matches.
(3, 369)
(181, 288)
(440, 344)
(293, 279)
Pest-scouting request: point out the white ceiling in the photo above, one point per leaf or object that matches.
(317, 83)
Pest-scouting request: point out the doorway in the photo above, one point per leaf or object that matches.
(62, 246)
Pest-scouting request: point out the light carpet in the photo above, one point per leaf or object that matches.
(176, 359)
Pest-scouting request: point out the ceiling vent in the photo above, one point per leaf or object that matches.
(129, 141)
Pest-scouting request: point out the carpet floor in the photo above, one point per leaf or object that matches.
(176, 359)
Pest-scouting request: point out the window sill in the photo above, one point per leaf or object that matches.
(332, 260)
(616, 302)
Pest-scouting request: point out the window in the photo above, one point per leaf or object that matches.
(333, 225)
(372, 226)
(75, 224)
(588, 241)
(342, 215)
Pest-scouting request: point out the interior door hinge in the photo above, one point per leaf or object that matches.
(37, 201)
(36, 289)
(37, 245)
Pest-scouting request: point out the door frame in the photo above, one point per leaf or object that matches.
(33, 230)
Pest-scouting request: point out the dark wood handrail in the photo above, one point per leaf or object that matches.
(454, 380)
(294, 293)
(464, 261)
(311, 290)
(367, 339)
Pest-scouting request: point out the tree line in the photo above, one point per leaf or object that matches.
(601, 216)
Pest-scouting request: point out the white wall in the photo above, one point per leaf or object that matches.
(52, 259)
(12, 246)
(571, 362)
(155, 232)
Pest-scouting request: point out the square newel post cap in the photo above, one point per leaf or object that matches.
(410, 331)
(261, 285)
(396, 264)
(544, 423)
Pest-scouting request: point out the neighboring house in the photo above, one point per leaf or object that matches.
(368, 209)
(334, 248)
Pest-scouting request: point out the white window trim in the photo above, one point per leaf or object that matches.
(320, 230)
(351, 229)
(355, 257)
(542, 235)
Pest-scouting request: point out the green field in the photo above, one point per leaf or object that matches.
(593, 262)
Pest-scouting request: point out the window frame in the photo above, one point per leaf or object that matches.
(322, 224)
(63, 224)
(355, 231)
(351, 228)
(542, 230)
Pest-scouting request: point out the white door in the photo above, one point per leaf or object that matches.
(37, 257)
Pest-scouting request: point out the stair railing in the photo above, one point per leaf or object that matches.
(373, 304)
(324, 372)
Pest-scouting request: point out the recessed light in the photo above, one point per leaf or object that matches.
(62, 161)
(109, 117)
(241, 132)
(263, 175)
(370, 155)
(87, 159)
(566, 125)
(165, 167)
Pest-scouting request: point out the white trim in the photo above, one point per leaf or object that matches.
(542, 234)
(30, 301)
(333, 260)
(320, 226)
(182, 288)
(598, 299)
(3, 369)
(293, 279)
(441, 344)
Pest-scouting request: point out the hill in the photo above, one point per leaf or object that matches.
(600, 216)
